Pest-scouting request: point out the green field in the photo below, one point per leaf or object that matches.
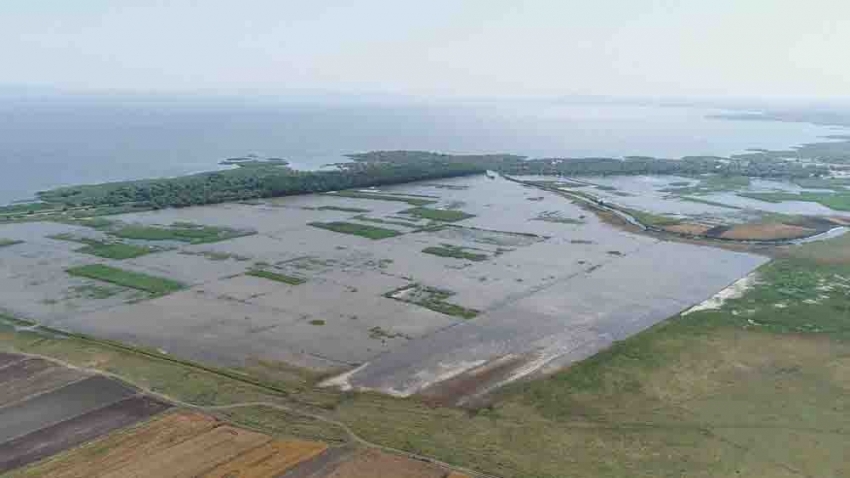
(454, 252)
(277, 277)
(134, 280)
(107, 250)
(393, 222)
(362, 230)
(182, 232)
(444, 215)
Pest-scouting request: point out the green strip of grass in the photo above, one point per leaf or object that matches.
(107, 250)
(9, 242)
(444, 215)
(377, 220)
(134, 280)
(362, 230)
(276, 277)
(342, 209)
(182, 232)
(454, 252)
(384, 197)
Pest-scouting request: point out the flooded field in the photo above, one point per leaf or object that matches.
(690, 198)
(446, 288)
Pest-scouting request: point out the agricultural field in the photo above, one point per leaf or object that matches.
(59, 422)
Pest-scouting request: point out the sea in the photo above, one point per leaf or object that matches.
(48, 141)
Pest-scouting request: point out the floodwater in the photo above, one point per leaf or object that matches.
(650, 193)
(557, 285)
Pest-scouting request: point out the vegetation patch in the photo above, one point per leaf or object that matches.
(93, 291)
(431, 298)
(134, 280)
(448, 250)
(413, 201)
(362, 230)
(557, 217)
(317, 322)
(443, 215)
(107, 249)
(9, 242)
(393, 222)
(217, 255)
(275, 276)
(180, 231)
(342, 209)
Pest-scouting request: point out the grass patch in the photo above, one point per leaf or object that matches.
(342, 209)
(180, 231)
(277, 277)
(377, 220)
(134, 280)
(443, 215)
(362, 230)
(9, 242)
(650, 219)
(557, 217)
(456, 252)
(217, 256)
(413, 201)
(106, 249)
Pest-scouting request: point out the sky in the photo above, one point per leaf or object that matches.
(432, 48)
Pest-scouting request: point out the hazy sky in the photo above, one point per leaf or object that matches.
(432, 47)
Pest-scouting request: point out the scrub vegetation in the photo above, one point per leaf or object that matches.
(9, 242)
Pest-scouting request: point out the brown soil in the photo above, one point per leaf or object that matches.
(374, 464)
(193, 457)
(121, 449)
(62, 436)
(269, 461)
(688, 228)
(767, 231)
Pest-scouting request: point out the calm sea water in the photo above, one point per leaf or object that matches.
(49, 142)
